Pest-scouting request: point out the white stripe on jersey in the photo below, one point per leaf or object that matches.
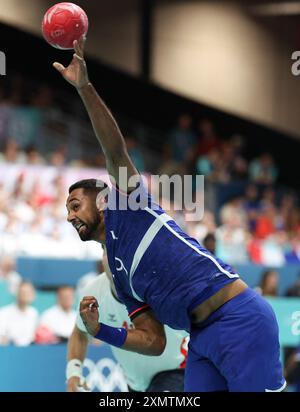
(277, 390)
(158, 223)
(153, 213)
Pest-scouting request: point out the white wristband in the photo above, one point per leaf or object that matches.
(74, 368)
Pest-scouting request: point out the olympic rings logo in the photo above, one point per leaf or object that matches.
(105, 376)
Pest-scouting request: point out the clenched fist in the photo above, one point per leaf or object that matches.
(90, 315)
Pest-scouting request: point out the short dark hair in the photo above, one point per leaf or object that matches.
(209, 237)
(265, 275)
(89, 185)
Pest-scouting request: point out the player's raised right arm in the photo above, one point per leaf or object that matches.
(105, 126)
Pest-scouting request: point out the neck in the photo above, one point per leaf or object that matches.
(21, 306)
(99, 235)
(102, 231)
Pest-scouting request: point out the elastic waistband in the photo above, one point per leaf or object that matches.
(244, 297)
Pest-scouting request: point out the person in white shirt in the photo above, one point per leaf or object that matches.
(142, 373)
(88, 277)
(60, 319)
(19, 320)
(9, 274)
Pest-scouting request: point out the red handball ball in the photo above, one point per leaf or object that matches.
(63, 23)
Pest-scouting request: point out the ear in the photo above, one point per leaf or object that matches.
(101, 203)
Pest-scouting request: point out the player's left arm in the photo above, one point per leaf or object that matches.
(148, 337)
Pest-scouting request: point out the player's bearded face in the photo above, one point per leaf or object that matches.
(88, 225)
(84, 216)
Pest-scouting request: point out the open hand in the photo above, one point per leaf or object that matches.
(76, 73)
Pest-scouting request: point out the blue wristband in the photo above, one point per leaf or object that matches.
(112, 336)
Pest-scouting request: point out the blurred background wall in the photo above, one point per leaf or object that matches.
(221, 53)
(114, 27)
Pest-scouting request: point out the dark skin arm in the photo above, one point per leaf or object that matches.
(104, 124)
(148, 337)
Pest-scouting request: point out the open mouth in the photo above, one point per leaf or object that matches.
(79, 227)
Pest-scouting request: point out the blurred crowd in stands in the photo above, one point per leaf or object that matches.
(260, 224)
(21, 324)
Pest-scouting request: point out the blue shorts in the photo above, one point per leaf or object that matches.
(236, 349)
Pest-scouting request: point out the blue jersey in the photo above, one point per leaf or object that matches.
(155, 264)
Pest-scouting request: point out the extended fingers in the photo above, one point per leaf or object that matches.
(81, 43)
(59, 67)
(78, 58)
(78, 47)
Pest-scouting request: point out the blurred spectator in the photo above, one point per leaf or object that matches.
(17, 86)
(9, 275)
(19, 320)
(233, 236)
(58, 157)
(289, 213)
(60, 319)
(24, 125)
(272, 252)
(251, 206)
(269, 283)
(240, 165)
(263, 170)
(3, 206)
(208, 139)
(209, 242)
(12, 153)
(33, 157)
(294, 290)
(179, 149)
(210, 165)
(268, 251)
(88, 277)
(223, 162)
(199, 230)
(135, 152)
(267, 198)
(292, 255)
(266, 221)
(43, 97)
(231, 162)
